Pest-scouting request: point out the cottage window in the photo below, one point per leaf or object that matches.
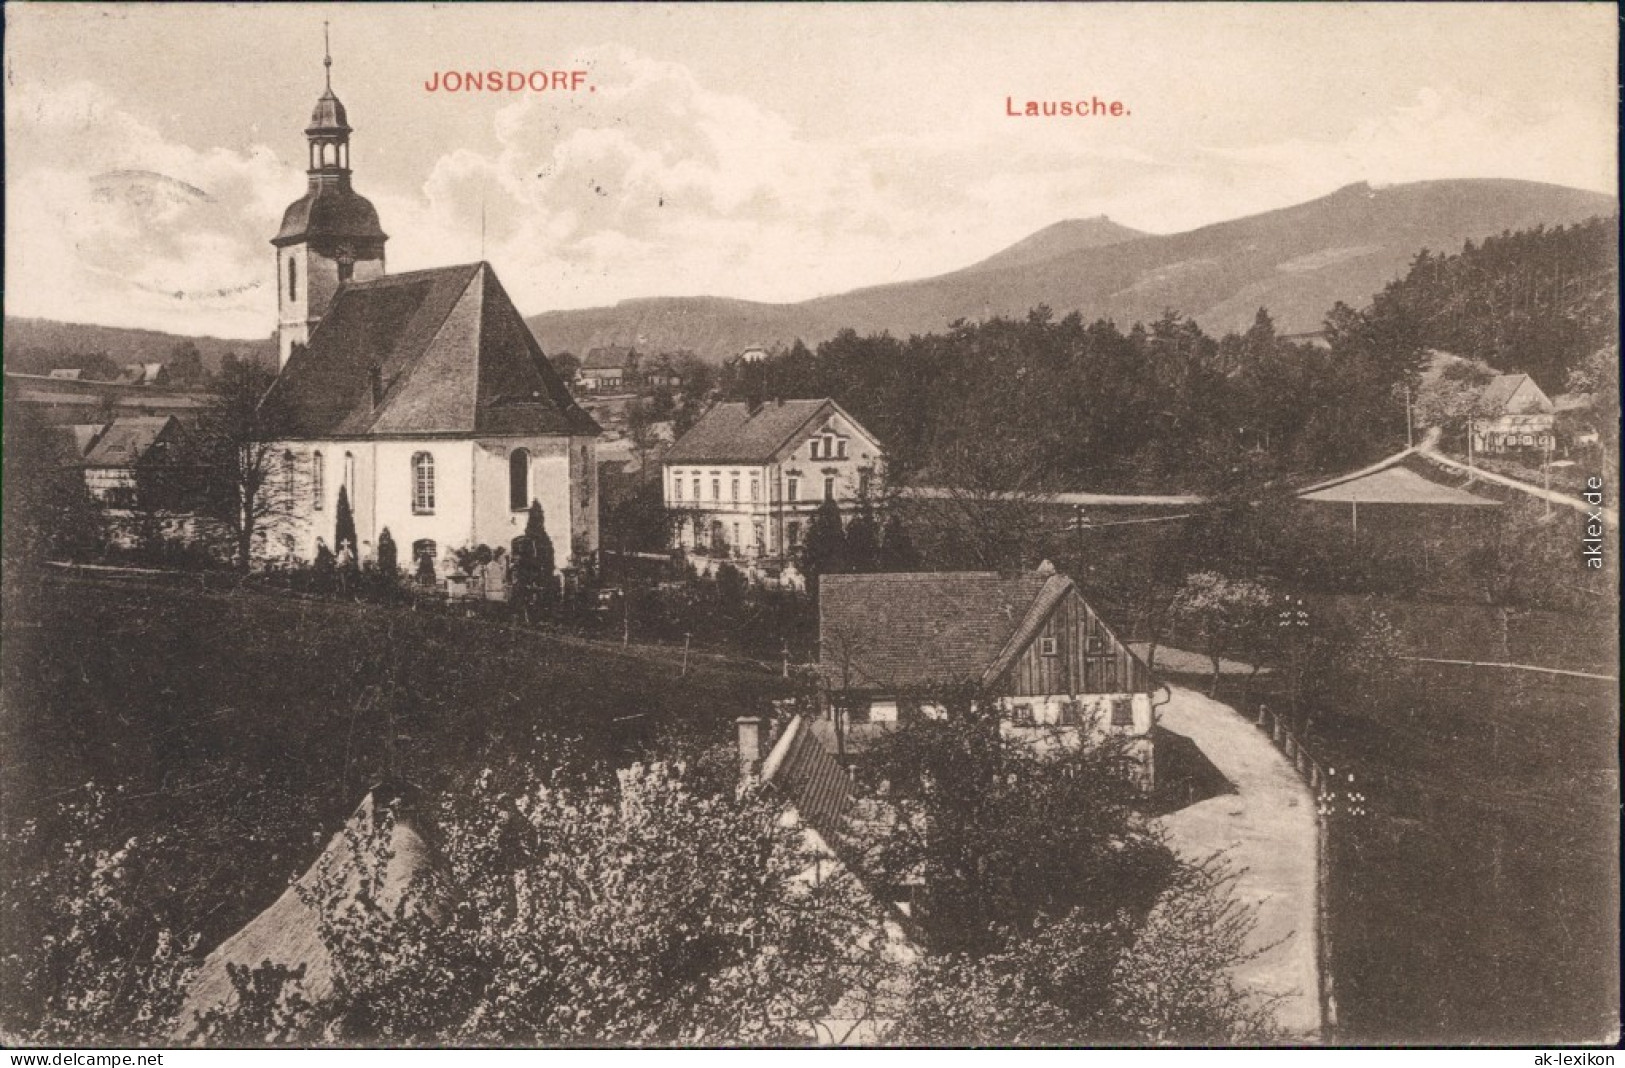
(1046, 646)
(840, 448)
(792, 489)
(1072, 713)
(696, 490)
(422, 483)
(519, 480)
(1122, 712)
(1094, 644)
(1023, 715)
(829, 487)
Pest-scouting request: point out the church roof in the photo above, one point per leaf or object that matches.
(453, 356)
(330, 211)
(329, 115)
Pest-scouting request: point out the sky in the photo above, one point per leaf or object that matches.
(772, 152)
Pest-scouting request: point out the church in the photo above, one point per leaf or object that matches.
(423, 395)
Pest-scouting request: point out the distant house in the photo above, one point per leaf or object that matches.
(143, 374)
(119, 450)
(886, 639)
(1514, 415)
(609, 367)
(745, 480)
(754, 354)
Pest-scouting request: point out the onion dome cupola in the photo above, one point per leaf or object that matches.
(330, 235)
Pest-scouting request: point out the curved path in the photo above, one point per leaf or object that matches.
(1268, 829)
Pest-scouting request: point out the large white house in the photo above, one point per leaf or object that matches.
(746, 479)
(424, 395)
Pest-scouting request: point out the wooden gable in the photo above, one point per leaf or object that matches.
(1074, 652)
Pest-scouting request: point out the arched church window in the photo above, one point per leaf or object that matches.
(293, 279)
(519, 480)
(423, 483)
(318, 479)
(288, 474)
(349, 476)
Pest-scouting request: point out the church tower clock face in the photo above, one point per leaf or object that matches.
(330, 235)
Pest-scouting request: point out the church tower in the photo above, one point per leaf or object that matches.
(329, 236)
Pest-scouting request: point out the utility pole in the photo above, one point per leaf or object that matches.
(1546, 470)
(1410, 441)
(686, 637)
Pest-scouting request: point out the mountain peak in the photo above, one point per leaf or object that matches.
(1059, 239)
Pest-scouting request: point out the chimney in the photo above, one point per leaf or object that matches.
(375, 377)
(753, 739)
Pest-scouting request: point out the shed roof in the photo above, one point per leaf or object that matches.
(811, 779)
(127, 440)
(1393, 484)
(453, 357)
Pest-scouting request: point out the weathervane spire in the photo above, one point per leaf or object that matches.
(327, 56)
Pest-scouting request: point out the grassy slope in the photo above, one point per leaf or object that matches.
(247, 726)
(1478, 901)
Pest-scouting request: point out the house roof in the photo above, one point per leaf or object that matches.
(811, 779)
(453, 356)
(609, 357)
(889, 631)
(288, 932)
(126, 440)
(731, 433)
(1501, 389)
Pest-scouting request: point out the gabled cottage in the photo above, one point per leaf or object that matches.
(1514, 414)
(887, 639)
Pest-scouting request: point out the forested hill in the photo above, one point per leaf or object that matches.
(1534, 301)
(1296, 261)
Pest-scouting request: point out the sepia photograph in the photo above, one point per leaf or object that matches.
(904, 525)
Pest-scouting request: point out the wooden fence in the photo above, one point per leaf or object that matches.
(1324, 783)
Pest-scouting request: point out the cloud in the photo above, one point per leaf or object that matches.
(108, 221)
(657, 184)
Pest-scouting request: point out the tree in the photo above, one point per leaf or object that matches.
(643, 435)
(1164, 980)
(897, 552)
(388, 556)
(48, 510)
(1226, 616)
(534, 584)
(88, 956)
(344, 524)
(566, 364)
(824, 551)
(570, 911)
(185, 366)
(996, 834)
(863, 540)
(250, 482)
